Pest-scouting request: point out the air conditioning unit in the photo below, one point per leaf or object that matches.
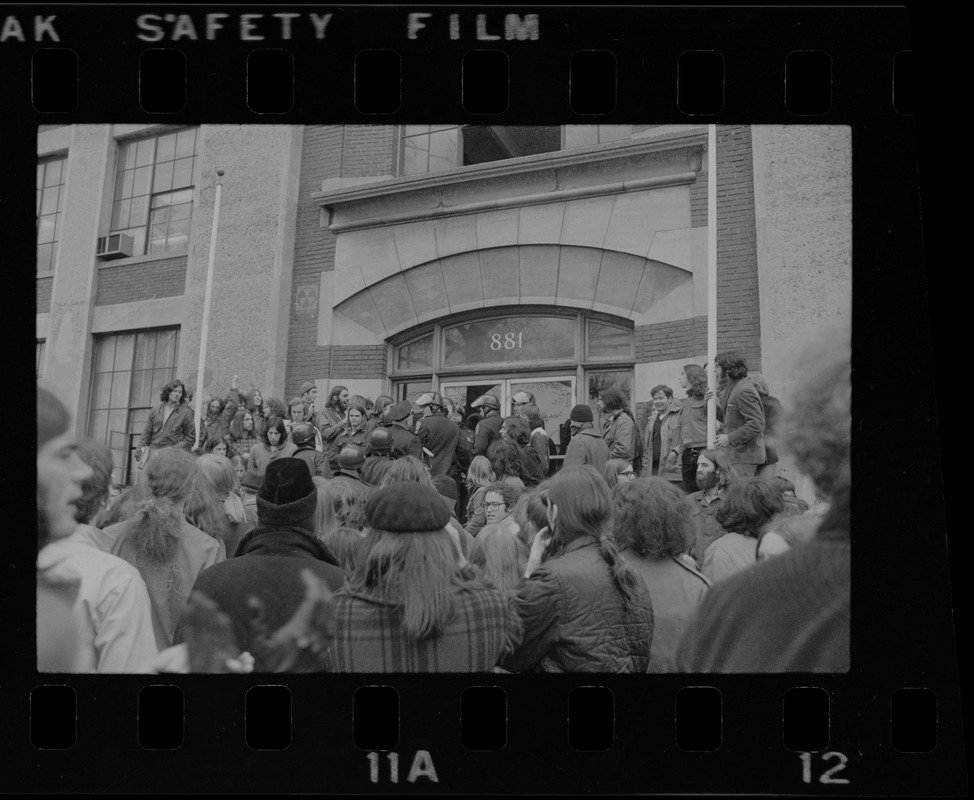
(115, 245)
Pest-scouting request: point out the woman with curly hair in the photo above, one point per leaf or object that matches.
(505, 460)
(654, 529)
(479, 475)
(584, 608)
(748, 506)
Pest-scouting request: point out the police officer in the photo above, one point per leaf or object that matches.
(405, 442)
(489, 428)
(303, 436)
(438, 434)
(380, 458)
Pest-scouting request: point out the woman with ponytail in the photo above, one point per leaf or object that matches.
(157, 539)
(584, 608)
(214, 505)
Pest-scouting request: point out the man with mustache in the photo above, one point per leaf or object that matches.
(714, 473)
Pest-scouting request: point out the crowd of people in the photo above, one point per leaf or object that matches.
(369, 535)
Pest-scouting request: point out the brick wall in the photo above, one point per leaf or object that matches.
(44, 294)
(698, 200)
(666, 341)
(129, 283)
(738, 307)
(331, 151)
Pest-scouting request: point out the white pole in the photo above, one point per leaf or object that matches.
(207, 297)
(711, 280)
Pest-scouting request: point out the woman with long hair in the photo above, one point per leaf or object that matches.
(214, 505)
(618, 426)
(584, 608)
(693, 424)
(479, 475)
(412, 603)
(218, 444)
(167, 550)
(407, 469)
(654, 528)
(243, 433)
(517, 430)
(273, 445)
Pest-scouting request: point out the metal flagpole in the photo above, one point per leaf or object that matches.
(207, 297)
(711, 281)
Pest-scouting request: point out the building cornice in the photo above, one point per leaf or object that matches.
(382, 202)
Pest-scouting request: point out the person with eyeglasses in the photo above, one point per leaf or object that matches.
(618, 470)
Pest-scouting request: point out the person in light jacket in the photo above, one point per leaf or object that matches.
(662, 444)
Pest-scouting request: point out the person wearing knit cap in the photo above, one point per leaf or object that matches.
(587, 445)
(413, 604)
(261, 587)
(399, 420)
(309, 393)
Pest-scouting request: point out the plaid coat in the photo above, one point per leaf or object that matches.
(368, 636)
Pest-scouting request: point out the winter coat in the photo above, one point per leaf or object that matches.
(404, 442)
(179, 430)
(317, 462)
(742, 413)
(619, 431)
(267, 567)
(369, 638)
(669, 446)
(440, 436)
(575, 619)
(587, 447)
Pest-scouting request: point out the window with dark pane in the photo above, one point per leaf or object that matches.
(50, 203)
(416, 355)
(129, 371)
(154, 180)
(609, 341)
(429, 148)
(39, 351)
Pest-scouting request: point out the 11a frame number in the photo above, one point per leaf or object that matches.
(825, 777)
(422, 767)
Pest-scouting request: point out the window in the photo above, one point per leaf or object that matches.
(50, 202)
(39, 352)
(429, 148)
(130, 370)
(585, 135)
(153, 201)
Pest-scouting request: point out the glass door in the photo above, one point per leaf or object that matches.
(553, 394)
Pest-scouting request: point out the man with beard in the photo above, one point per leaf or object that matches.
(438, 434)
(714, 472)
(739, 407)
(111, 614)
(168, 552)
(331, 419)
(405, 442)
(489, 428)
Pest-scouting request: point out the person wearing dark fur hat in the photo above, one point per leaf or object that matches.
(261, 588)
(413, 604)
(587, 445)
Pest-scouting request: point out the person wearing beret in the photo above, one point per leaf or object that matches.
(413, 603)
(405, 442)
(261, 587)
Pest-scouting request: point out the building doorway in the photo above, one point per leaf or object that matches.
(554, 395)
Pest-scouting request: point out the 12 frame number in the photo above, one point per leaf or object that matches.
(825, 777)
(422, 767)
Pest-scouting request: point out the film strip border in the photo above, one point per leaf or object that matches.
(374, 64)
(801, 733)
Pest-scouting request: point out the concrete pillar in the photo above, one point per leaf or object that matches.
(254, 259)
(90, 165)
